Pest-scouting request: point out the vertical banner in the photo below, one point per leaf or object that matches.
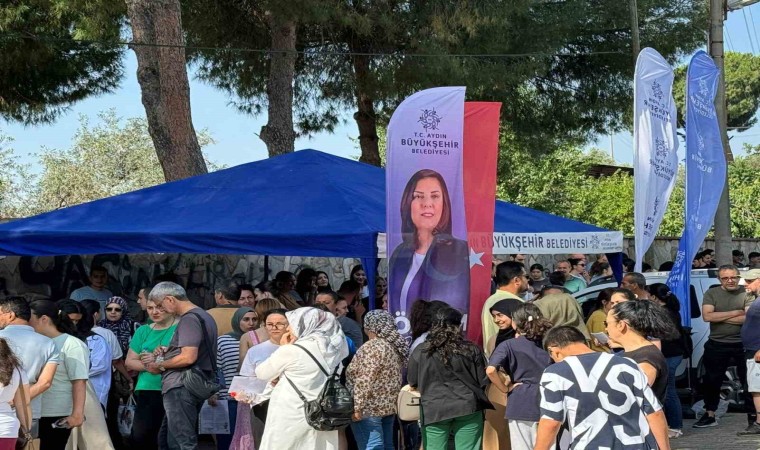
(426, 230)
(705, 172)
(655, 143)
(481, 148)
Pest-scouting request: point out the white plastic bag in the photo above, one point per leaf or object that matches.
(699, 408)
(126, 416)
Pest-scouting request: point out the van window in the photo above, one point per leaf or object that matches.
(696, 311)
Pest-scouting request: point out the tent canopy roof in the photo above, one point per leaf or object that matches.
(306, 203)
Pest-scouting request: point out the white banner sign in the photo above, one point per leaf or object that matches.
(655, 143)
(546, 243)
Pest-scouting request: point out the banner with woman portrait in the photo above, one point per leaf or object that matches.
(426, 225)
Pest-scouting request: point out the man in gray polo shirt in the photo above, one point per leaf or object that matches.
(37, 353)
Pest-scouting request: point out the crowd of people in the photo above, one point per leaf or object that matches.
(550, 372)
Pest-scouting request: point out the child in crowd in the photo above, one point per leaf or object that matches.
(524, 360)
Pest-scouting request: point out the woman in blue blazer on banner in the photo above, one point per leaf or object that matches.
(430, 263)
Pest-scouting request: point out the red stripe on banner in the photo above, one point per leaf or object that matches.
(481, 149)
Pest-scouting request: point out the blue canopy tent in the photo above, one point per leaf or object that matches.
(306, 203)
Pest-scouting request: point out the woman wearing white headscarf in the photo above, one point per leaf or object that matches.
(320, 334)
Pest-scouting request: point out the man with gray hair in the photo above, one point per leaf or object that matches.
(636, 283)
(193, 345)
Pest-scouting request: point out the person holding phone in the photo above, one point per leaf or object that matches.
(63, 403)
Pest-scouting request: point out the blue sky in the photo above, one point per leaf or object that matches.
(236, 133)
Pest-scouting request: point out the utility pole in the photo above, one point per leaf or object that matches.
(723, 244)
(635, 30)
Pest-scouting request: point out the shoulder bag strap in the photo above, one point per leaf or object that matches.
(313, 358)
(205, 340)
(300, 395)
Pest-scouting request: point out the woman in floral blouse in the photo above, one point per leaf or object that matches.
(374, 376)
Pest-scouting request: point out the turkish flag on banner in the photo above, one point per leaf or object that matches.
(481, 149)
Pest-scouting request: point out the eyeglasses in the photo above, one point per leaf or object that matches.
(277, 326)
(581, 264)
(729, 278)
(112, 309)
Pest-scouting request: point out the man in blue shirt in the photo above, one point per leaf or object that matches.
(97, 288)
(751, 342)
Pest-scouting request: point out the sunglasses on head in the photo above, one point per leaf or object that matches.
(113, 309)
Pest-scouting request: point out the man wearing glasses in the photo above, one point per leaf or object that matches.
(724, 308)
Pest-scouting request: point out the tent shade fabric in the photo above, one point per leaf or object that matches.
(305, 203)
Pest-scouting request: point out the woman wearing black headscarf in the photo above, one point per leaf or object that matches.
(502, 312)
(496, 429)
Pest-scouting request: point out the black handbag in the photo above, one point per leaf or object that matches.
(199, 383)
(334, 406)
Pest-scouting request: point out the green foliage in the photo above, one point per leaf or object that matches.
(550, 182)
(558, 183)
(742, 90)
(43, 72)
(111, 158)
(15, 180)
(744, 190)
(553, 91)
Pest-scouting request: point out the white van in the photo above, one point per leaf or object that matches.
(701, 281)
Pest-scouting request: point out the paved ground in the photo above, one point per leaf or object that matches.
(722, 437)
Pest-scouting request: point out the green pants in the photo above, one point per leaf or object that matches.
(468, 433)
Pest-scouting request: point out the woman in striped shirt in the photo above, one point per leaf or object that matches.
(228, 360)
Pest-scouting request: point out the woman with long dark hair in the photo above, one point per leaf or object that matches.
(525, 360)
(94, 432)
(100, 352)
(283, 289)
(537, 278)
(14, 388)
(630, 324)
(595, 322)
(421, 319)
(306, 285)
(430, 263)
(323, 282)
(360, 276)
(674, 351)
(450, 373)
(65, 400)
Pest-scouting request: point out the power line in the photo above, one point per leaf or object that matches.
(728, 40)
(754, 27)
(310, 52)
(749, 33)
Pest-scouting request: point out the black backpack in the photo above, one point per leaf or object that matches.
(333, 407)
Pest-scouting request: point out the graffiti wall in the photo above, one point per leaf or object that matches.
(54, 277)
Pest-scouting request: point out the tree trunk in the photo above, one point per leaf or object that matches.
(278, 133)
(365, 116)
(162, 75)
